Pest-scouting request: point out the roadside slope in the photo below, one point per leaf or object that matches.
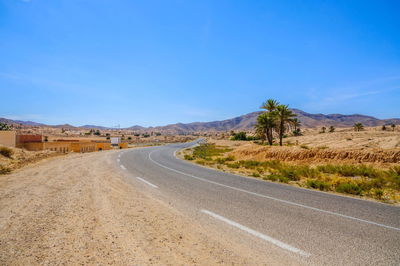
(79, 209)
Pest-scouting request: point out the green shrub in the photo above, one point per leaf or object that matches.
(318, 184)
(249, 164)
(260, 170)
(295, 173)
(276, 177)
(6, 152)
(207, 150)
(239, 136)
(201, 162)
(273, 164)
(349, 188)
(350, 170)
(4, 126)
(378, 193)
(255, 174)
(230, 158)
(233, 165)
(303, 146)
(188, 157)
(220, 160)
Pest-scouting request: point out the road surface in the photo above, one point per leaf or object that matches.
(289, 224)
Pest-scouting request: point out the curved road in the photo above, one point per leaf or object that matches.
(291, 225)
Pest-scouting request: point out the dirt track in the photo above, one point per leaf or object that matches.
(79, 209)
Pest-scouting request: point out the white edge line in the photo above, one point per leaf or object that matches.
(123, 167)
(147, 182)
(258, 234)
(276, 199)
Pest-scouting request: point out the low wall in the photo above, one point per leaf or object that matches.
(8, 138)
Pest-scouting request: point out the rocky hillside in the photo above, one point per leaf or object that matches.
(246, 122)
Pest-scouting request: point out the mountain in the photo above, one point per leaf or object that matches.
(339, 120)
(136, 127)
(247, 122)
(19, 122)
(94, 127)
(244, 122)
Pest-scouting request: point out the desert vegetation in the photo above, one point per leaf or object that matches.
(277, 119)
(5, 126)
(355, 179)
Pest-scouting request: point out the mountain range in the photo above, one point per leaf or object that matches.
(244, 122)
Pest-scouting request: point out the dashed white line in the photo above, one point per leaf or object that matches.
(258, 234)
(118, 160)
(147, 182)
(123, 167)
(272, 198)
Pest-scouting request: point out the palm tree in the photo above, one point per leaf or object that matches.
(270, 105)
(323, 129)
(261, 132)
(296, 123)
(284, 117)
(266, 122)
(358, 126)
(393, 126)
(331, 129)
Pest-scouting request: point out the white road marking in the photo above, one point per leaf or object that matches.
(123, 167)
(258, 234)
(119, 155)
(147, 182)
(118, 160)
(276, 199)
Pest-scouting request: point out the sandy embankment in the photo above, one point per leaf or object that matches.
(79, 209)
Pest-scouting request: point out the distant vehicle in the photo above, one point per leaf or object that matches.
(115, 141)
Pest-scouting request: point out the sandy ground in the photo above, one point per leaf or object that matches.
(371, 146)
(21, 157)
(79, 209)
(348, 138)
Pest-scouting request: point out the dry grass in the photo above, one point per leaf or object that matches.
(308, 168)
(296, 153)
(346, 146)
(16, 158)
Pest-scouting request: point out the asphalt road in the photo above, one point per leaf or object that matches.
(291, 225)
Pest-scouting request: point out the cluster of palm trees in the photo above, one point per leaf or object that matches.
(358, 126)
(277, 118)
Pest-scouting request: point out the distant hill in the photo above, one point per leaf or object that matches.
(339, 120)
(94, 127)
(19, 122)
(244, 122)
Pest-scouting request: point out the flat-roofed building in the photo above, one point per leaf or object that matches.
(27, 138)
(101, 146)
(83, 146)
(8, 138)
(62, 147)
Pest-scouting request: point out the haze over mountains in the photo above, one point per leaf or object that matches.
(244, 122)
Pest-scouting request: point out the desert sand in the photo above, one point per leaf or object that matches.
(80, 209)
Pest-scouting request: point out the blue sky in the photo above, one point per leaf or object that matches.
(159, 62)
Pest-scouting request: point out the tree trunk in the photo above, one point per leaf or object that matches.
(281, 133)
(269, 136)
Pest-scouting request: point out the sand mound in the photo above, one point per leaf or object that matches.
(317, 154)
(21, 157)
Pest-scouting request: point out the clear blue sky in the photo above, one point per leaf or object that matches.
(158, 62)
